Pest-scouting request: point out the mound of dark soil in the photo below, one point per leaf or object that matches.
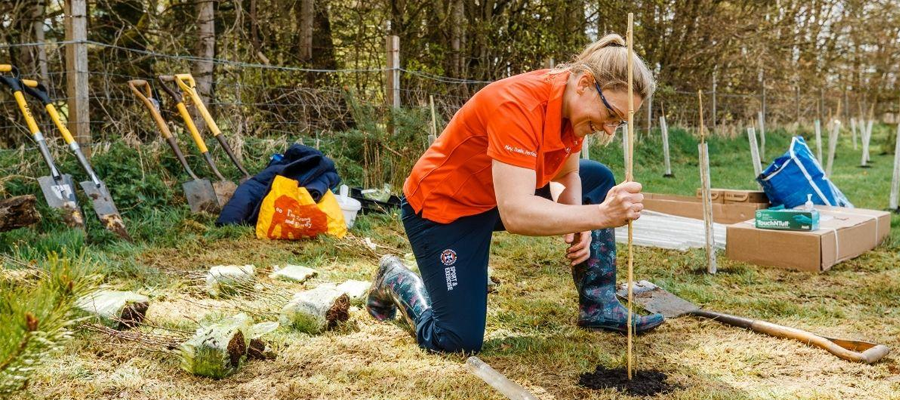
(643, 383)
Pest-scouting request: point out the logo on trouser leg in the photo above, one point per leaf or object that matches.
(450, 274)
(448, 257)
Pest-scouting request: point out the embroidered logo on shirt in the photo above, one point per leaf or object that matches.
(520, 151)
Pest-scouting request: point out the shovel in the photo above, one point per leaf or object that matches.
(188, 86)
(58, 188)
(94, 188)
(199, 192)
(657, 300)
(224, 188)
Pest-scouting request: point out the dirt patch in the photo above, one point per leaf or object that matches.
(643, 383)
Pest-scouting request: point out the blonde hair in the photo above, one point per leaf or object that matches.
(607, 60)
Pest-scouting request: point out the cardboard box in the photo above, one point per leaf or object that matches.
(691, 207)
(729, 196)
(843, 233)
(787, 220)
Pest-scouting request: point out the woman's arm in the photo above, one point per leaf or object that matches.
(524, 213)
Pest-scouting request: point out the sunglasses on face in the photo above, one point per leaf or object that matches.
(610, 110)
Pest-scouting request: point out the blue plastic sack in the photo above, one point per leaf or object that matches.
(797, 174)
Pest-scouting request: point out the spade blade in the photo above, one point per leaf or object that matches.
(60, 194)
(201, 196)
(105, 208)
(657, 300)
(224, 191)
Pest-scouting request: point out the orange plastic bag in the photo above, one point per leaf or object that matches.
(289, 212)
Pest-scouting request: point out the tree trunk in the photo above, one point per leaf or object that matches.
(456, 32)
(38, 25)
(307, 21)
(203, 70)
(18, 212)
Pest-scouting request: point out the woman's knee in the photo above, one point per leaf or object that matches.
(596, 180)
(451, 339)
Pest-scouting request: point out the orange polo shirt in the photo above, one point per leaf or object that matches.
(518, 121)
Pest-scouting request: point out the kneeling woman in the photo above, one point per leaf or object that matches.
(490, 170)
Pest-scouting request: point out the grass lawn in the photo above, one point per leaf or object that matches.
(531, 335)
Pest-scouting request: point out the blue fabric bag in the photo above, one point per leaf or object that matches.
(797, 174)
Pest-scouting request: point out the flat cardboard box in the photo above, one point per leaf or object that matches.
(691, 207)
(848, 233)
(729, 196)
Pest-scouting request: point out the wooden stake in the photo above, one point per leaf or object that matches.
(833, 139)
(706, 193)
(629, 176)
(853, 128)
(762, 136)
(754, 152)
(818, 125)
(895, 182)
(586, 148)
(433, 136)
(665, 139)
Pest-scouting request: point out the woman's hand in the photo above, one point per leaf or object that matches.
(579, 247)
(623, 203)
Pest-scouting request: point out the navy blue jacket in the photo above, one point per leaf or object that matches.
(308, 166)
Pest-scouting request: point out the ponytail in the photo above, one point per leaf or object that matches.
(607, 60)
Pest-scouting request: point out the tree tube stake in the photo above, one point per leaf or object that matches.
(629, 176)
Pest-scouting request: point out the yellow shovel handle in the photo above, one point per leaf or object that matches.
(145, 95)
(5, 68)
(26, 113)
(62, 127)
(188, 86)
(30, 83)
(192, 128)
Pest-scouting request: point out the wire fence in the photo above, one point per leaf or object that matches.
(261, 100)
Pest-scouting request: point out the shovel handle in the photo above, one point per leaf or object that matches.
(843, 349)
(51, 110)
(188, 86)
(6, 68)
(142, 91)
(182, 110)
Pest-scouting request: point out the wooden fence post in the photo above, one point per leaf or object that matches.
(664, 128)
(393, 71)
(762, 136)
(713, 116)
(77, 73)
(433, 136)
(818, 126)
(895, 182)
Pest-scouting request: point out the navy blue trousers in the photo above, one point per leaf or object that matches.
(453, 260)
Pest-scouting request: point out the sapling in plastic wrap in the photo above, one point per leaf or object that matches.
(228, 280)
(293, 273)
(219, 350)
(115, 309)
(313, 311)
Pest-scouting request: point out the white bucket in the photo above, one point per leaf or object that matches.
(349, 206)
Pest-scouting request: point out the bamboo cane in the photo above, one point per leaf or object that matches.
(705, 192)
(629, 176)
